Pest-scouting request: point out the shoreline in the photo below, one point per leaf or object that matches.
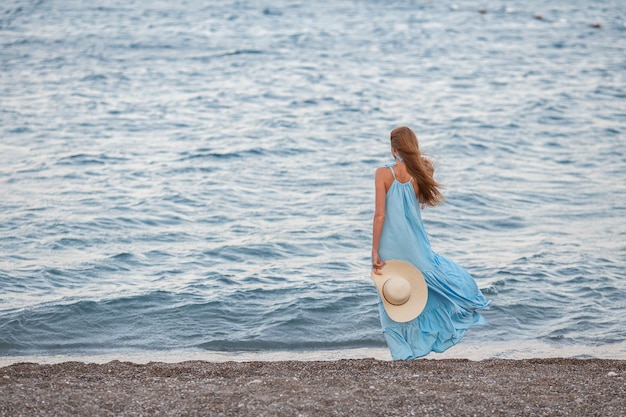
(520, 350)
(364, 387)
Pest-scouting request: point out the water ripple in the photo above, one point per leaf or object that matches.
(200, 176)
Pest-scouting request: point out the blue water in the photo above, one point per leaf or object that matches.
(190, 176)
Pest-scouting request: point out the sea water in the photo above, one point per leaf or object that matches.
(195, 179)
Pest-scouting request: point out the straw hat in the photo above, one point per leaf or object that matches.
(402, 289)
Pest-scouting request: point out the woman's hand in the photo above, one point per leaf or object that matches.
(377, 263)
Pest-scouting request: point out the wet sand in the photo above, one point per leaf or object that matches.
(353, 387)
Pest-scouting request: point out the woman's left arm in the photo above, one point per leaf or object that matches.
(379, 218)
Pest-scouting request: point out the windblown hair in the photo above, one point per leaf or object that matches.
(405, 143)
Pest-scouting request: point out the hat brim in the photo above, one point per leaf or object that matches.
(419, 290)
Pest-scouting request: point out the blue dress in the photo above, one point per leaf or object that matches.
(453, 296)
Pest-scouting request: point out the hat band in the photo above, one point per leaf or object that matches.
(397, 303)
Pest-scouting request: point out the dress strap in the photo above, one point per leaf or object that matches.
(392, 173)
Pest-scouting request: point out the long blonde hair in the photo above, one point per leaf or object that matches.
(404, 141)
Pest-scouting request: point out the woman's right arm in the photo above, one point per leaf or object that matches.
(379, 218)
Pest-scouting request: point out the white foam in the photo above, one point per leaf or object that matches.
(518, 350)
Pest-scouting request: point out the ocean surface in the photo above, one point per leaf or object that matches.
(195, 178)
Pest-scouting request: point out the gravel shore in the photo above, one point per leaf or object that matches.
(355, 387)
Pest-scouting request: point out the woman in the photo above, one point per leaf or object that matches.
(398, 233)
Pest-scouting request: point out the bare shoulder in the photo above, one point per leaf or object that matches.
(384, 177)
(383, 173)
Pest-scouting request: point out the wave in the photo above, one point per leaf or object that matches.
(241, 319)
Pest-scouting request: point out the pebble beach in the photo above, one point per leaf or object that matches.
(358, 387)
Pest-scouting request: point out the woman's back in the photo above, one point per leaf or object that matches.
(403, 236)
